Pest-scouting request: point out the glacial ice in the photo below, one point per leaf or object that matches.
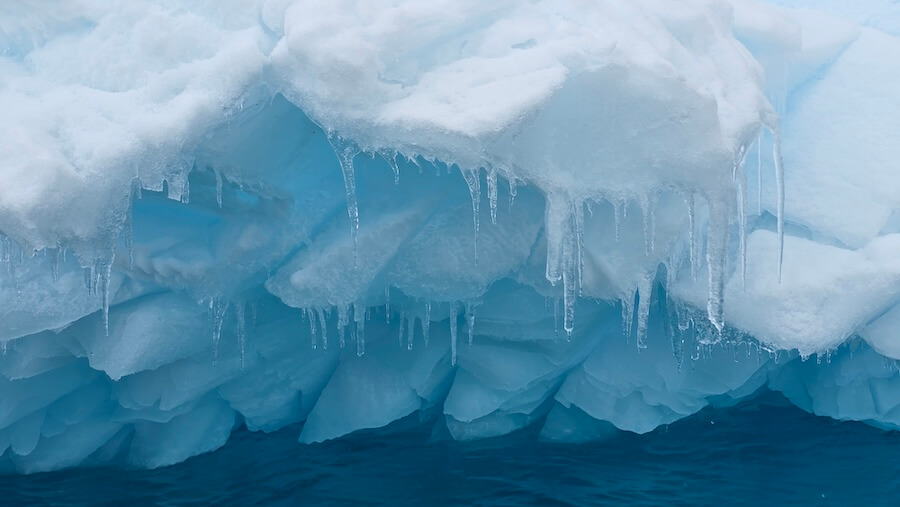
(587, 218)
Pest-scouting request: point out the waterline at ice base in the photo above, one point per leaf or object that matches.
(562, 219)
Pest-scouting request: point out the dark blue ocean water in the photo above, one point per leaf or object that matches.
(763, 452)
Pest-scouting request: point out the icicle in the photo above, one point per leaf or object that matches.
(716, 254)
(627, 315)
(400, 326)
(343, 320)
(454, 312)
(104, 272)
(411, 332)
(392, 161)
(556, 220)
(359, 315)
(387, 305)
(323, 323)
(742, 221)
(426, 323)
(645, 287)
(695, 255)
(738, 162)
(779, 185)
(219, 186)
(759, 174)
(492, 193)
(512, 190)
(565, 243)
(570, 279)
(470, 321)
(3, 348)
(649, 227)
(578, 219)
(473, 180)
(345, 153)
(568, 305)
(617, 219)
(241, 327)
(217, 309)
(313, 331)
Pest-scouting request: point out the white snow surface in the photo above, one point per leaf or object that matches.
(478, 215)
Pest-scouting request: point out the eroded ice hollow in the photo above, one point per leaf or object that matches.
(477, 216)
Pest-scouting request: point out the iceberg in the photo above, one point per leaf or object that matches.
(577, 217)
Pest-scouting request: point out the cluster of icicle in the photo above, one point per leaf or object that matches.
(564, 223)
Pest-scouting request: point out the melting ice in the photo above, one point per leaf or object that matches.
(230, 215)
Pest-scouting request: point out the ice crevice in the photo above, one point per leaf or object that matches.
(549, 207)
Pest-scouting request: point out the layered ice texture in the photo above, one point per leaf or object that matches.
(481, 216)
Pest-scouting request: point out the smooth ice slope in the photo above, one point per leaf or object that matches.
(475, 216)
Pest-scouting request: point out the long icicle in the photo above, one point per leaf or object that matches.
(779, 184)
(359, 315)
(426, 323)
(343, 320)
(556, 224)
(694, 254)
(323, 323)
(578, 223)
(454, 313)
(627, 314)
(104, 272)
(759, 173)
(617, 218)
(392, 161)
(492, 193)
(741, 181)
(345, 153)
(570, 279)
(645, 287)
(473, 180)
(716, 254)
(313, 331)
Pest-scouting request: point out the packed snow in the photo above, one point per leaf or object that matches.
(590, 217)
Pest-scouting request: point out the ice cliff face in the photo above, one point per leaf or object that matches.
(484, 215)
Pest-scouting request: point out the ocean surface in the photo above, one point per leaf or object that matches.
(762, 452)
